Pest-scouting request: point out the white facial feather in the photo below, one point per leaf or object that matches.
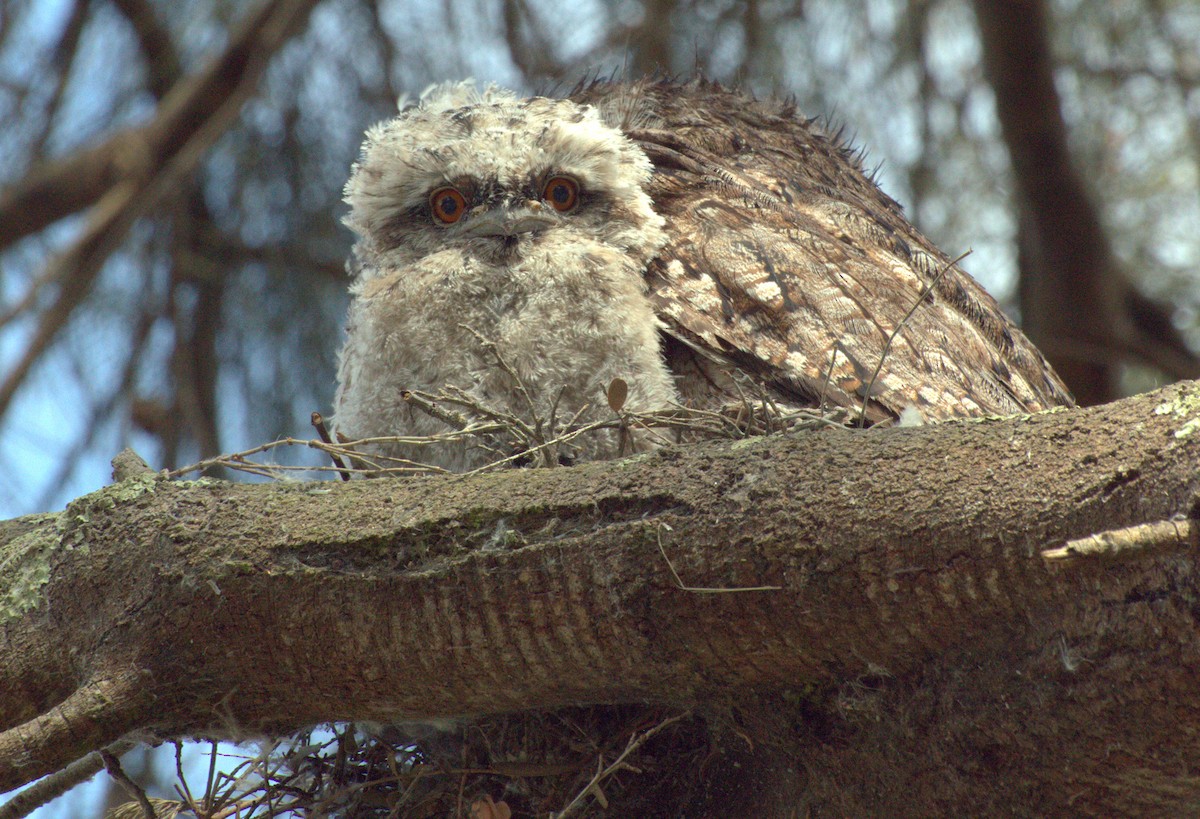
(457, 132)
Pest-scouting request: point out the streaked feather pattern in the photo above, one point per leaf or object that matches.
(785, 260)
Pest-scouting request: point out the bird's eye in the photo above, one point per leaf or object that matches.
(562, 192)
(448, 205)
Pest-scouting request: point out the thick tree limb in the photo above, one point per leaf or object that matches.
(904, 554)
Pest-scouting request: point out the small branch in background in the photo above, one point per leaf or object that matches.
(64, 186)
(56, 784)
(131, 173)
(156, 44)
(65, 53)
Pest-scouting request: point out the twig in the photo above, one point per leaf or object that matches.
(319, 423)
(837, 348)
(1131, 543)
(593, 787)
(541, 441)
(538, 448)
(238, 460)
(703, 589)
(181, 788)
(460, 397)
(428, 404)
(113, 766)
(490, 346)
(862, 418)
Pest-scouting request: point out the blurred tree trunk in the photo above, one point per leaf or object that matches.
(1077, 304)
(651, 43)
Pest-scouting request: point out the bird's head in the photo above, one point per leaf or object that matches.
(490, 175)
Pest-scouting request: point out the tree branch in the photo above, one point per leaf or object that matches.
(65, 186)
(189, 121)
(234, 610)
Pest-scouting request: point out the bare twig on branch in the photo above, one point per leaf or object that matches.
(360, 456)
(1129, 543)
(113, 766)
(318, 423)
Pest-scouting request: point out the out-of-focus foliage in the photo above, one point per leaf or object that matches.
(215, 325)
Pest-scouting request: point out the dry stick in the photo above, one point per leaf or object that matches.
(709, 423)
(635, 741)
(319, 423)
(837, 348)
(237, 460)
(862, 419)
(490, 346)
(428, 405)
(460, 397)
(1130, 543)
(185, 793)
(541, 447)
(113, 766)
(212, 772)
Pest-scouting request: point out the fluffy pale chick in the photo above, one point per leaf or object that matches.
(675, 236)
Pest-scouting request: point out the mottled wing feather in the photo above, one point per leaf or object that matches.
(787, 262)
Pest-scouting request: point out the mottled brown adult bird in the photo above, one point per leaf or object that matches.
(676, 236)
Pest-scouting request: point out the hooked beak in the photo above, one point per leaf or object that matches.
(509, 220)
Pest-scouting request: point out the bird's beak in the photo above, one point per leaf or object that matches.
(510, 220)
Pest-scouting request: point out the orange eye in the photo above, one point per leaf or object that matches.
(448, 205)
(562, 192)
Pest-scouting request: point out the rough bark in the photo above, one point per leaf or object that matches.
(931, 658)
